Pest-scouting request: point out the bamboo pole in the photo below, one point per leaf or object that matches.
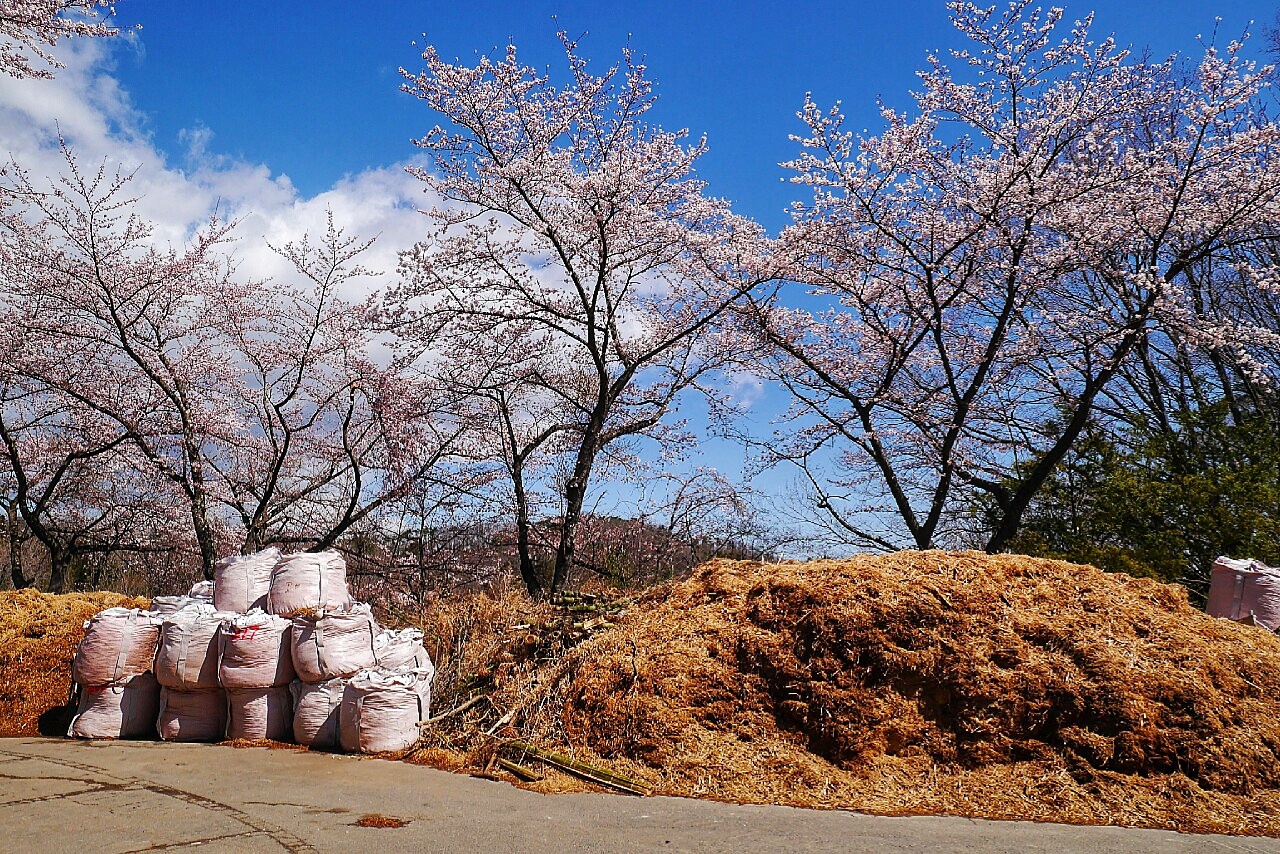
(523, 773)
(582, 770)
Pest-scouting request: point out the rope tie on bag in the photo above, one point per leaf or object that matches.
(359, 722)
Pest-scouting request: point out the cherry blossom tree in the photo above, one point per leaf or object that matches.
(73, 478)
(260, 403)
(991, 264)
(126, 328)
(575, 243)
(87, 504)
(28, 28)
(332, 436)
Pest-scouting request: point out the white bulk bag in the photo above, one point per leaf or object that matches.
(241, 582)
(192, 715)
(118, 644)
(117, 711)
(202, 590)
(402, 649)
(309, 582)
(187, 657)
(315, 712)
(259, 713)
(334, 644)
(163, 606)
(1240, 588)
(253, 651)
(381, 711)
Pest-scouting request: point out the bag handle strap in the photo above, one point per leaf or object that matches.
(126, 647)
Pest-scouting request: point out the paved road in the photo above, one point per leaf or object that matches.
(143, 796)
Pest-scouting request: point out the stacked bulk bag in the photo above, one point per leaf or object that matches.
(119, 697)
(309, 582)
(187, 655)
(127, 710)
(118, 644)
(403, 649)
(259, 713)
(381, 711)
(254, 651)
(163, 606)
(192, 715)
(202, 591)
(1243, 589)
(255, 666)
(315, 712)
(241, 582)
(333, 644)
(192, 703)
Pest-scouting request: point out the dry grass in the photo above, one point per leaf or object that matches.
(931, 682)
(39, 633)
(266, 743)
(480, 646)
(912, 683)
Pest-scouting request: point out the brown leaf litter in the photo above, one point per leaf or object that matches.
(374, 819)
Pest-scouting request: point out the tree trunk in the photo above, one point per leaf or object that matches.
(253, 541)
(528, 572)
(575, 492)
(60, 568)
(15, 542)
(204, 535)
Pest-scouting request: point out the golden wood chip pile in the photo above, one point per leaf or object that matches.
(38, 637)
(912, 683)
(931, 682)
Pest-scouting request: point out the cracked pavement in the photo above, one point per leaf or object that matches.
(119, 796)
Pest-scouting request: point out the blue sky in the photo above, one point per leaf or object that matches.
(311, 90)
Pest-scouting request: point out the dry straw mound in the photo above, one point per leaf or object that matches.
(39, 633)
(922, 682)
(480, 642)
(919, 682)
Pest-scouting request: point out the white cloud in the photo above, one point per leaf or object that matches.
(87, 106)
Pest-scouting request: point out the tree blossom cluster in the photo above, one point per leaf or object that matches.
(1056, 235)
(1055, 227)
(29, 28)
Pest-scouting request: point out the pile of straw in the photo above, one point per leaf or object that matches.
(39, 633)
(932, 682)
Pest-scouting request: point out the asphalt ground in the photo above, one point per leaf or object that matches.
(109, 796)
